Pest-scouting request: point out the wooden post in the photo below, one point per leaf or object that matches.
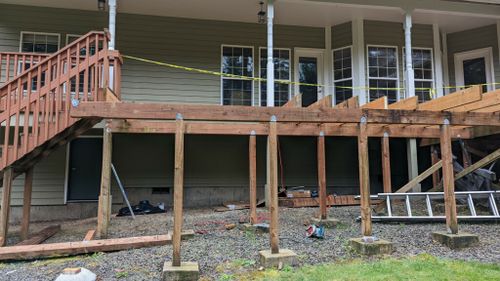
(436, 178)
(364, 178)
(8, 176)
(386, 164)
(104, 209)
(273, 185)
(448, 179)
(178, 190)
(28, 186)
(252, 151)
(322, 176)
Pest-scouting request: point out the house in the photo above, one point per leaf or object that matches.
(322, 48)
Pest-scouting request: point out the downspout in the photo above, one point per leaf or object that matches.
(112, 24)
(270, 63)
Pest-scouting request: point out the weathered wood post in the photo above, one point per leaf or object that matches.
(436, 179)
(28, 187)
(386, 164)
(252, 151)
(178, 190)
(364, 178)
(448, 179)
(322, 176)
(8, 176)
(104, 208)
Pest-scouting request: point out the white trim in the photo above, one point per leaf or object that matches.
(383, 78)
(486, 53)
(66, 171)
(38, 33)
(433, 80)
(333, 71)
(71, 35)
(438, 66)
(289, 72)
(221, 78)
(359, 65)
(446, 72)
(309, 52)
(328, 63)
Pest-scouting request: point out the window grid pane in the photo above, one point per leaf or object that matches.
(342, 74)
(383, 73)
(281, 60)
(237, 61)
(39, 43)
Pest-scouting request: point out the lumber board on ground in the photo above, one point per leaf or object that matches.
(90, 235)
(27, 252)
(339, 200)
(41, 236)
(416, 180)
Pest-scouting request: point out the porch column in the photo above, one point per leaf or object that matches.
(328, 64)
(112, 24)
(438, 62)
(358, 63)
(446, 71)
(270, 86)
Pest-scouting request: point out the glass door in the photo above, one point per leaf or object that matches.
(309, 70)
(475, 68)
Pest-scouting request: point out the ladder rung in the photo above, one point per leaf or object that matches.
(429, 205)
(493, 205)
(388, 202)
(471, 205)
(408, 207)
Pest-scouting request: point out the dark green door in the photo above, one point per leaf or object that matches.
(84, 177)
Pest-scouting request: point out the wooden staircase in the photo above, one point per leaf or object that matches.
(37, 93)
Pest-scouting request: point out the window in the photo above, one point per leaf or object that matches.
(281, 59)
(70, 38)
(237, 61)
(342, 73)
(423, 72)
(383, 72)
(36, 42)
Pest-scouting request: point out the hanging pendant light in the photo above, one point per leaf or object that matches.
(261, 15)
(101, 5)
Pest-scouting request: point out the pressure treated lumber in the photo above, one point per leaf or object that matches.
(295, 101)
(273, 186)
(322, 177)
(380, 103)
(436, 178)
(252, 156)
(104, 208)
(386, 164)
(28, 187)
(459, 98)
(418, 179)
(28, 252)
(448, 180)
(178, 190)
(90, 235)
(364, 180)
(488, 102)
(8, 176)
(325, 102)
(352, 102)
(406, 104)
(41, 236)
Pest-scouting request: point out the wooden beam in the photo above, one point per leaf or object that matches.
(488, 100)
(454, 100)
(352, 102)
(416, 180)
(159, 111)
(90, 235)
(322, 176)
(41, 236)
(273, 186)
(448, 180)
(380, 103)
(364, 179)
(8, 176)
(296, 101)
(178, 190)
(252, 156)
(479, 164)
(28, 187)
(28, 252)
(386, 164)
(104, 208)
(406, 104)
(325, 102)
(436, 178)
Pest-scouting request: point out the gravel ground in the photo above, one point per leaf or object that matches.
(218, 249)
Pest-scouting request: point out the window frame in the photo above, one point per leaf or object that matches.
(397, 78)
(289, 72)
(38, 33)
(343, 79)
(222, 71)
(433, 70)
(71, 35)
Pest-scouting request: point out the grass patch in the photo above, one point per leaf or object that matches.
(421, 267)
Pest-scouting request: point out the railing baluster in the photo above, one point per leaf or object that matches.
(27, 115)
(19, 93)
(5, 152)
(36, 118)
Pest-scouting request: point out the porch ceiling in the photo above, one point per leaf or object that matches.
(451, 16)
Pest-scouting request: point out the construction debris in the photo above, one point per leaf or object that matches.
(76, 274)
(41, 236)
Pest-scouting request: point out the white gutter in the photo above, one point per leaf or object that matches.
(270, 63)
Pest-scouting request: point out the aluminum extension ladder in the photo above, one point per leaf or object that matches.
(470, 196)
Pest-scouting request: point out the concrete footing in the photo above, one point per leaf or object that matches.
(328, 222)
(455, 241)
(371, 248)
(284, 257)
(188, 271)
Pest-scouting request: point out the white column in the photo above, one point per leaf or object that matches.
(112, 23)
(358, 60)
(410, 78)
(327, 63)
(270, 63)
(438, 62)
(446, 72)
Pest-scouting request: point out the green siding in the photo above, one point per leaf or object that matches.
(342, 35)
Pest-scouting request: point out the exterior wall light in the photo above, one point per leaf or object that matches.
(261, 15)
(101, 5)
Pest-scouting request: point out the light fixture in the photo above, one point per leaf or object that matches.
(101, 5)
(261, 14)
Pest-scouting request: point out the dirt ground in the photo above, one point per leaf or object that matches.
(221, 252)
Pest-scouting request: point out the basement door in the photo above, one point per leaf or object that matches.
(309, 70)
(84, 169)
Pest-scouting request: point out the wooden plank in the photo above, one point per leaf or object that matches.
(386, 164)
(8, 176)
(479, 164)
(416, 180)
(454, 100)
(380, 103)
(364, 179)
(252, 151)
(28, 187)
(488, 100)
(325, 102)
(448, 180)
(160, 111)
(110, 96)
(406, 104)
(41, 236)
(104, 208)
(322, 177)
(90, 235)
(28, 252)
(178, 190)
(352, 102)
(436, 178)
(296, 101)
(273, 186)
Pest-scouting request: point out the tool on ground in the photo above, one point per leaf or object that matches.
(122, 190)
(315, 231)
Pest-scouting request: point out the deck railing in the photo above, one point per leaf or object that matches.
(13, 64)
(36, 102)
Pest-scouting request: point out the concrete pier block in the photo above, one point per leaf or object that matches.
(328, 222)
(377, 247)
(188, 271)
(284, 257)
(455, 241)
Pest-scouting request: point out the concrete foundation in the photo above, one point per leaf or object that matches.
(188, 271)
(284, 257)
(455, 241)
(328, 222)
(378, 247)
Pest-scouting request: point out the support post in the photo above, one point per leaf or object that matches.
(364, 178)
(448, 179)
(436, 178)
(322, 176)
(273, 185)
(104, 208)
(8, 177)
(178, 190)
(386, 164)
(252, 151)
(28, 187)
